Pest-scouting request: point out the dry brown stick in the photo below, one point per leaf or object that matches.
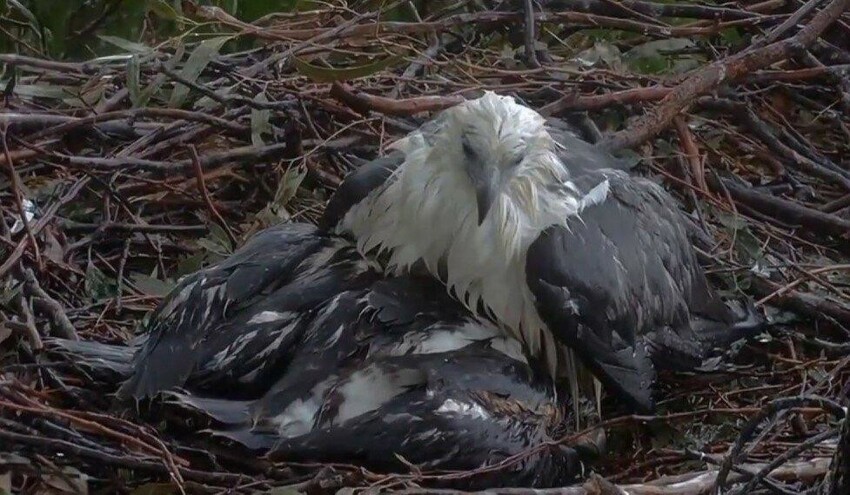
(16, 253)
(27, 327)
(655, 10)
(771, 410)
(72, 226)
(788, 23)
(245, 154)
(720, 72)
(838, 479)
(35, 407)
(689, 146)
(745, 115)
(767, 76)
(373, 30)
(202, 187)
(790, 212)
(530, 37)
(131, 462)
(597, 102)
(838, 204)
(25, 154)
(364, 103)
(42, 301)
(814, 306)
(575, 102)
(785, 288)
(13, 59)
(698, 483)
(173, 113)
(17, 193)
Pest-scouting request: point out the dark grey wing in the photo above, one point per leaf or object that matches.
(369, 177)
(619, 284)
(581, 157)
(458, 410)
(248, 300)
(356, 187)
(244, 355)
(413, 375)
(579, 126)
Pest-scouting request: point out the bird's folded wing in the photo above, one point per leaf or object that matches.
(614, 274)
(200, 304)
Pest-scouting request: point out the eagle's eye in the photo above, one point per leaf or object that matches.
(516, 161)
(467, 148)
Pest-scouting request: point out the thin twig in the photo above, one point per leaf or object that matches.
(202, 188)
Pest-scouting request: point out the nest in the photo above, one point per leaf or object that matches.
(121, 174)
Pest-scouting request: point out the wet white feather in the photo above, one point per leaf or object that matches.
(427, 211)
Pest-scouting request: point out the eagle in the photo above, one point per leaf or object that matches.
(298, 347)
(527, 224)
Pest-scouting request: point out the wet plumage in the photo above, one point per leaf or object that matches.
(297, 346)
(543, 233)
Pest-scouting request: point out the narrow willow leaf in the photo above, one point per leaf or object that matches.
(289, 185)
(152, 286)
(130, 46)
(25, 12)
(197, 62)
(162, 9)
(40, 91)
(260, 121)
(133, 74)
(152, 88)
(327, 74)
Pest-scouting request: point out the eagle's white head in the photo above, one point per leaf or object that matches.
(492, 145)
(478, 185)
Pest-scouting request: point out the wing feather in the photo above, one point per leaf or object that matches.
(620, 279)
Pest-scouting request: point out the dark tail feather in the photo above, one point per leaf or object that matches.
(711, 335)
(233, 418)
(224, 411)
(747, 322)
(108, 365)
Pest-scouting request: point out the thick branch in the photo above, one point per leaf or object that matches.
(717, 73)
(365, 103)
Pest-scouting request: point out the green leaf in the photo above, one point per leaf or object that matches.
(220, 236)
(155, 489)
(729, 220)
(731, 37)
(284, 490)
(212, 247)
(748, 246)
(147, 93)
(601, 51)
(630, 158)
(24, 11)
(162, 9)
(97, 284)
(152, 286)
(655, 56)
(289, 185)
(40, 91)
(190, 264)
(130, 46)
(197, 62)
(260, 121)
(328, 74)
(133, 74)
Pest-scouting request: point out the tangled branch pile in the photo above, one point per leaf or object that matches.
(123, 173)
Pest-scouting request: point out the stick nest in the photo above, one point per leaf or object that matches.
(123, 173)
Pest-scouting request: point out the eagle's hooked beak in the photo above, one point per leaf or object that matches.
(486, 190)
(485, 194)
